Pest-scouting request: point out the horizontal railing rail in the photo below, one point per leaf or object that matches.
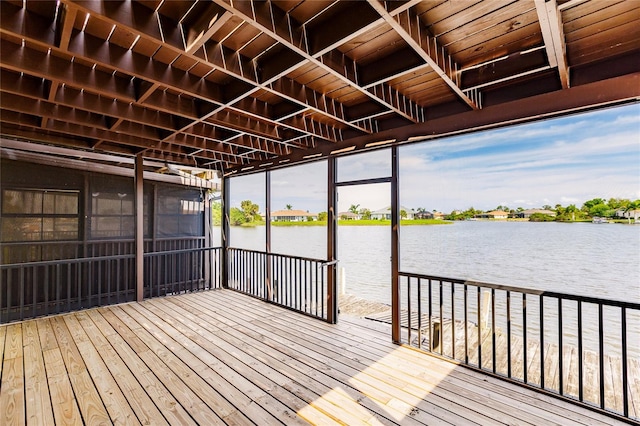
(33, 289)
(40, 251)
(181, 271)
(295, 282)
(582, 348)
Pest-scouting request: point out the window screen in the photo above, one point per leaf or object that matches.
(112, 215)
(39, 215)
(180, 212)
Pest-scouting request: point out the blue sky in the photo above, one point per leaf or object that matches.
(567, 160)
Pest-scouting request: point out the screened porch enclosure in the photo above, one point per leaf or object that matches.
(68, 240)
(116, 116)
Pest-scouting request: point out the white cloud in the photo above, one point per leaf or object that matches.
(566, 161)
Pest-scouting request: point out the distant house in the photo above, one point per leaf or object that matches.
(348, 216)
(496, 214)
(423, 215)
(629, 214)
(438, 215)
(292, 216)
(525, 214)
(385, 214)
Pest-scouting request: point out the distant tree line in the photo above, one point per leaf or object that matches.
(596, 207)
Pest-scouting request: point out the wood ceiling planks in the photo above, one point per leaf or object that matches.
(222, 85)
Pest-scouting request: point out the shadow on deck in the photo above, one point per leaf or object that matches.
(219, 357)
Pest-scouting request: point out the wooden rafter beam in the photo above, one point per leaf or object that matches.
(276, 24)
(609, 92)
(407, 24)
(130, 17)
(553, 35)
(130, 133)
(209, 27)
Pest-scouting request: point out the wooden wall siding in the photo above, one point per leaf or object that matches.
(220, 357)
(229, 86)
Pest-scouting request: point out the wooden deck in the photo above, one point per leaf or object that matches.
(219, 357)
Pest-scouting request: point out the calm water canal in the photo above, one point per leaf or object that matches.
(575, 258)
(598, 260)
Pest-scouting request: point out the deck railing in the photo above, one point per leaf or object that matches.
(298, 283)
(181, 271)
(582, 348)
(33, 289)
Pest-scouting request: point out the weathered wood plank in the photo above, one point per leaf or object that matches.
(221, 346)
(190, 373)
(233, 386)
(114, 401)
(171, 379)
(395, 385)
(12, 397)
(38, 401)
(144, 408)
(91, 406)
(171, 409)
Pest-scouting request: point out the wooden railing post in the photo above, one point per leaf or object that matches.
(139, 191)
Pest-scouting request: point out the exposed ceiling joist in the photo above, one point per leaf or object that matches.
(245, 85)
(407, 25)
(551, 25)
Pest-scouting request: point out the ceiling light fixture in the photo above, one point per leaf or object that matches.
(379, 143)
(312, 156)
(134, 42)
(340, 151)
(86, 20)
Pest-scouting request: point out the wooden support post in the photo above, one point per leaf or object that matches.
(486, 308)
(395, 247)
(267, 267)
(332, 297)
(224, 262)
(139, 191)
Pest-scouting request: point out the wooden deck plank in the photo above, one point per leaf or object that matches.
(396, 386)
(245, 395)
(114, 401)
(91, 407)
(344, 348)
(289, 359)
(38, 402)
(172, 411)
(283, 375)
(486, 398)
(189, 400)
(189, 369)
(221, 356)
(141, 403)
(313, 377)
(564, 412)
(63, 401)
(12, 398)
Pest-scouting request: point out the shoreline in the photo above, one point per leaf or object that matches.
(420, 222)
